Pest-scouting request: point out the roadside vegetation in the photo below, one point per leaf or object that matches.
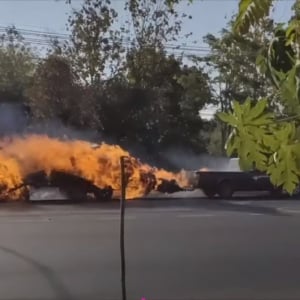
(261, 135)
(122, 80)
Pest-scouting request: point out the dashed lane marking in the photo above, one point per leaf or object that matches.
(218, 215)
(240, 202)
(291, 211)
(196, 216)
(256, 214)
(64, 219)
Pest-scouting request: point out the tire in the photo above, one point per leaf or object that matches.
(26, 195)
(276, 192)
(209, 193)
(75, 194)
(296, 192)
(104, 195)
(225, 190)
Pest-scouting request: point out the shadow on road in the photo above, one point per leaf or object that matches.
(222, 205)
(259, 204)
(208, 204)
(61, 291)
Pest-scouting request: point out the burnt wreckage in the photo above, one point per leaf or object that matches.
(78, 188)
(74, 186)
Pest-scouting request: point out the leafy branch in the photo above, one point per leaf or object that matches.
(250, 12)
(263, 143)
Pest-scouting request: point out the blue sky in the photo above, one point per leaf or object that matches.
(208, 15)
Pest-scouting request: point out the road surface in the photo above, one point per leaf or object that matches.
(176, 250)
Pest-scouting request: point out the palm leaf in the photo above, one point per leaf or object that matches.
(250, 12)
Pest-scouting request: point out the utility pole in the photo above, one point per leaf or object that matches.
(122, 213)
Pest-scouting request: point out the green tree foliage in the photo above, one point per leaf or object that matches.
(144, 96)
(154, 22)
(250, 12)
(233, 60)
(158, 107)
(49, 99)
(262, 142)
(196, 93)
(269, 140)
(16, 66)
(214, 141)
(94, 45)
(158, 99)
(153, 99)
(234, 73)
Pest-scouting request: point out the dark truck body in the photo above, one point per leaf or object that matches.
(225, 183)
(74, 186)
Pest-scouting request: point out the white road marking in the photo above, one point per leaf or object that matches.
(37, 220)
(256, 214)
(94, 218)
(56, 213)
(116, 218)
(166, 209)
(240, 202)
(292, 211)
(64, 219)
(196, 216)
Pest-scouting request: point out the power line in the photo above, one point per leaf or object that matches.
(65, 36)
(45, 38)
(38, 35)
(125, 0)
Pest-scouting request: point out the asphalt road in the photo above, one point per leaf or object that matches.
(176, 250)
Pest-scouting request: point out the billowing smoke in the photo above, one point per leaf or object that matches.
(14, 121)
(56, 129)
(12, 118)
(186, 159)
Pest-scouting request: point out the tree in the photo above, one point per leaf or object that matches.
(94, 45)
(196, 93)
(69, 102)
(233, 69)
(158, 99)
(250, 12)
(160, 109)
(16, 66)
(260, 137)
(214, 144)
(153, 100)
(233, 58)
(155, 22)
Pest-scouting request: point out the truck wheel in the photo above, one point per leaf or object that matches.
(297, 191)
(25, 195)
(276, 192)
(225, 190)
(104, 195)
(75, 194)
(209, 193)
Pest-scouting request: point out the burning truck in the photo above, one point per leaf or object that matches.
(77, 169)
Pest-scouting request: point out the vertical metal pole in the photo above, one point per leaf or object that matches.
(122, 212)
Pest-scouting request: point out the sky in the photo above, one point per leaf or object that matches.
(208, 16)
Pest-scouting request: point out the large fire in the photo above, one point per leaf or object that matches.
(21, 156)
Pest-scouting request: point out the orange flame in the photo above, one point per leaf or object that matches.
(21, 156)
